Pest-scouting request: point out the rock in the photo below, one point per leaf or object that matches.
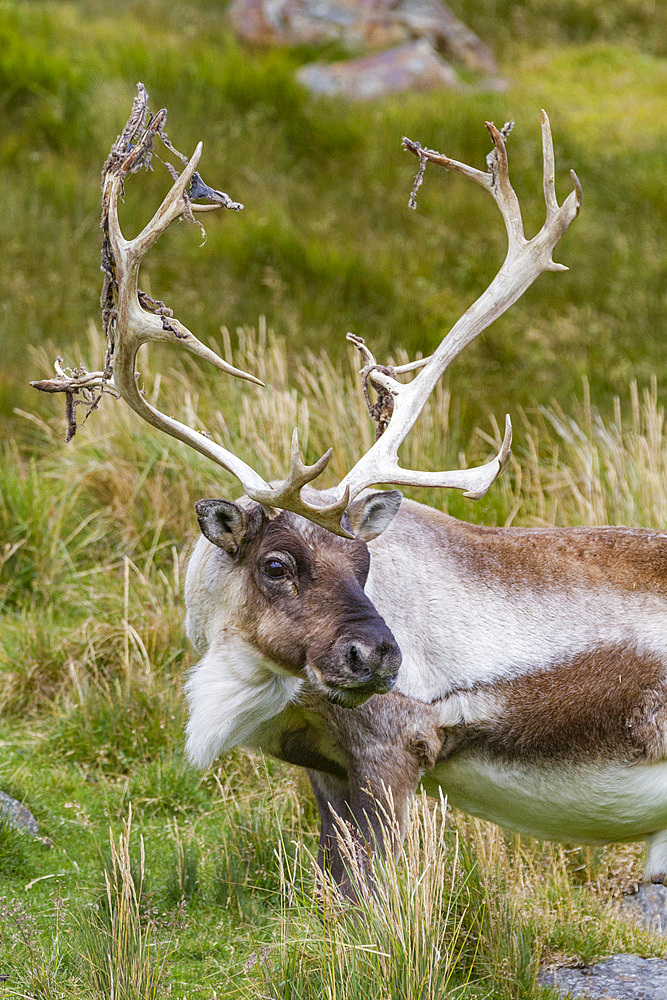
(360, 24)
(647, 906)
(416, 66)
(17, 815)
(623, 977)
(431, 19)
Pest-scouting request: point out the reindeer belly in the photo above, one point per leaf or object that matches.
(596, 802)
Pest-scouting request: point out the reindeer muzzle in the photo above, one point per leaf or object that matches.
(359, 666)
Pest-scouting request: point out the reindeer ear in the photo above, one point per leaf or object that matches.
(223, 523)
(368, 517)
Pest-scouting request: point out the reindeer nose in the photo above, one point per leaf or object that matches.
(374, 664)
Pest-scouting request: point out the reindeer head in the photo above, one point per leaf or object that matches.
(295, 592)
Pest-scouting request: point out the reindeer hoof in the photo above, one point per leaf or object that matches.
(659, 879)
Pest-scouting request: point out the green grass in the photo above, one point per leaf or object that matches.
(12, 846)
(326, 242)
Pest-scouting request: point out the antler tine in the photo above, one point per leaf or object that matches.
(548, 168)
(524, 262)
(432, 155)
(139, 324)
(287, 495)
(572, 204)
(360, 344)
(501, 189)
(558, 217)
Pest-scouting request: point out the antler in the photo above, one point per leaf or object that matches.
(525, 260)
(132, 318)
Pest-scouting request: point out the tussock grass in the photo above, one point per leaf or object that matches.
(407, 936)
(465, 911)
(580, 468)
(12, 844)
(38, 970)
(118, 960)
(166, 784)
(256, 832)
(545, 904)
(117, 725)
(570, 20)
(183, 883)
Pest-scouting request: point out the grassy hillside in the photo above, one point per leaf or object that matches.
(326, 243)
(154, 881)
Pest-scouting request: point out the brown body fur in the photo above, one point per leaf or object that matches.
(617, 717)
(628, 559)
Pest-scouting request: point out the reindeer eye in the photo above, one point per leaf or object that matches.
(275, 569)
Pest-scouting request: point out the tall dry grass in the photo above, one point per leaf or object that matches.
(407, 936)
(465, 911)
(583, 468)
(120, 958)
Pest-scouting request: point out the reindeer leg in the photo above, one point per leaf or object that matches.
(332, 796)
(656, 861)
(375, 811)
(389, 743)
(379, 806)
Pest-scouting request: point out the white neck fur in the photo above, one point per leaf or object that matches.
(230, 692)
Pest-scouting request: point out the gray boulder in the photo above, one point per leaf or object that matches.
(374, 24)
(647, 906)
(17, 815)
(622, 977)
(416, 66)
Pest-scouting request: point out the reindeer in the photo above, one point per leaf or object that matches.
(380, 643)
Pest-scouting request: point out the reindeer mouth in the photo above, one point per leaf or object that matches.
(348, 695)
